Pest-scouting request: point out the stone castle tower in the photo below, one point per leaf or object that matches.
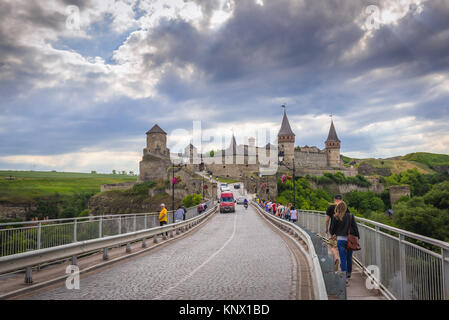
(333, 148)
(156, 156)
(157, 142)
(286, 140)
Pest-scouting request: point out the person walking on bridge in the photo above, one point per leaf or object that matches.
(293, 214)
(180, 214)
(163, 216)
(342, 225)
(333, 239)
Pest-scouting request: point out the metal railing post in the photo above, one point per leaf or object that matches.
(39, 228)
(28, 275)
(145, 221)
(100, 222)
(119, 225)
(134, 223)
(378, 255)
(74, 230)
(445, 269)
(402, 266)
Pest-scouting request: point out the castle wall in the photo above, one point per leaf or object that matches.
(334, 188)
(153, 168)
(348, 172)
(398, 191)
(311, 159)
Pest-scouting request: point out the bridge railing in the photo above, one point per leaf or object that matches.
(18, 237)
(27, 260)
(411, 266)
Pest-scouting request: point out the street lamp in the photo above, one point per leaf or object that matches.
(173, 186)
(281, 162)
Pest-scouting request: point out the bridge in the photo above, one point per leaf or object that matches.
(247, 255)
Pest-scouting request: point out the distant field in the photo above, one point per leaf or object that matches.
(33, 184)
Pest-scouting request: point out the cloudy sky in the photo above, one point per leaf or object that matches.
(81, 81)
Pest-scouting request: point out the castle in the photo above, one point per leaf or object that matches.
(240, 161)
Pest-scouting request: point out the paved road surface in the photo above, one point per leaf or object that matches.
(234, 256)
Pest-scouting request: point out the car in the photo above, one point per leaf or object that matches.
(227, 202)
(240, 200)
(237, 186)
(223, 185)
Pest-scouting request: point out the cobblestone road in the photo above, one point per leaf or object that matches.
(234, 256)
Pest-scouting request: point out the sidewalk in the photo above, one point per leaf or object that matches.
(357, 289)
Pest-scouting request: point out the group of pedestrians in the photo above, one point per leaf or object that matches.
(287, 212)
(342, 225)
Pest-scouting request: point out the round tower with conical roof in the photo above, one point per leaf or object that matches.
(286, 140)
(333, 147)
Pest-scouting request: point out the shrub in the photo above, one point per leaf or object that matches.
(191, 200)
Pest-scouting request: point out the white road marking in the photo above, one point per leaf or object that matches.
(203, 264)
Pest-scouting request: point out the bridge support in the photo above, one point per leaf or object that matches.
(74, 261)
(177, 231)
(144, 243)
(128, 247)
(171, 234)
(105, 254)
(155, 238)
(28, 275)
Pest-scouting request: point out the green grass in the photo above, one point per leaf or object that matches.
(429, 159)
(397, 166)
(30, 185)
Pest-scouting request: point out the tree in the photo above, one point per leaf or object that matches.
(417, 216)
(191, 200)
(68, 212)
(114, 171)
(438, 196)
(365, 202)
(419, 184)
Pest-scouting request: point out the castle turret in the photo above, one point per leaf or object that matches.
(157, 142)
(156, 156)
(286, 140)
(333, 148)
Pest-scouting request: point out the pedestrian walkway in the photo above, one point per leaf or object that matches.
(357, 289)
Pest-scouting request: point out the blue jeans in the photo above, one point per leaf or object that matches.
(345, 256)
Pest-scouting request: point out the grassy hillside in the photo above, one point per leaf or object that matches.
(428, 159)
(397, 166)
(423, 162)
(29, 185)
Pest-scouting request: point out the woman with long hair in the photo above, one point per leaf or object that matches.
(342, 224)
